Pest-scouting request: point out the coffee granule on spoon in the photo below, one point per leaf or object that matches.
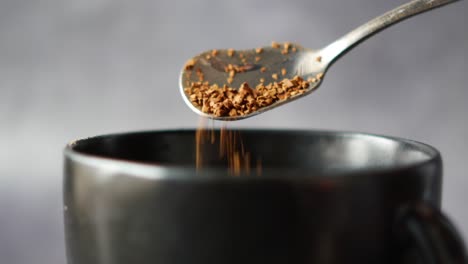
(228, 101)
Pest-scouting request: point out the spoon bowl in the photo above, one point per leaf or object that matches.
(269, 65)
(254, 66)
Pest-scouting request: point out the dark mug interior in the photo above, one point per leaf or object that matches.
(321, 197)
(318, 153)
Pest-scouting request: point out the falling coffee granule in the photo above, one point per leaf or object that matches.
(275, 45)
(231, 150)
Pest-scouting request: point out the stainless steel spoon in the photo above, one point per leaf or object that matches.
(287, 60)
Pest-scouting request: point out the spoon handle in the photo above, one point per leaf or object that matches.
(341, 46)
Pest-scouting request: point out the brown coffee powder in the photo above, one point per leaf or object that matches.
(230, 147)
(228, 101)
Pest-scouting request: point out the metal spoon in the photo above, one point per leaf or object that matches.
(286, 61)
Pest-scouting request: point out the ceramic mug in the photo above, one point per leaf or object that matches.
(320, 197)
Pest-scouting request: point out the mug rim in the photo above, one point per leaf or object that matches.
(171, 171)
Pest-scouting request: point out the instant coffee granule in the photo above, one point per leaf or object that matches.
(231, 149)
(237, 101)
(227, 101)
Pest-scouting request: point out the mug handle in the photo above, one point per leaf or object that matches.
(433, 235)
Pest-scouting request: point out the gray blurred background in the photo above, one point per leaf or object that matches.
(72, 69)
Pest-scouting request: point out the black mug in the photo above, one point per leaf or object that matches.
(321, 197)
